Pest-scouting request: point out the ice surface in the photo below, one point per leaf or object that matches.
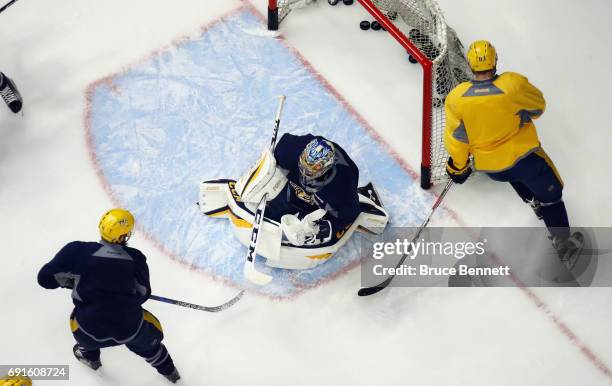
(204, 110)
(51, 192)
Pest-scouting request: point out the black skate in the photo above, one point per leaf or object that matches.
(174, 376)
(95, 365)
(10, 94)
(569, 249)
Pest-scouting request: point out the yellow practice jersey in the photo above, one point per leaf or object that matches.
(492, 121)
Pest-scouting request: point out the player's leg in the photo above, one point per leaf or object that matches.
(535, 178)
(148, 344)
(86, 350)
(527, 196)
(547, 187)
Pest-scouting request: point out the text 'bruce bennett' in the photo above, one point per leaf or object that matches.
(426, 270)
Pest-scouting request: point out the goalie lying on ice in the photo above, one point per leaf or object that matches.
(314, 203)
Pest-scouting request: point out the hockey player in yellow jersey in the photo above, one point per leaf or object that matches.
(490, 119)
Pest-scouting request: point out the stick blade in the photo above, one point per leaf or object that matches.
(255, 276)
(367, 291)
(227, 304)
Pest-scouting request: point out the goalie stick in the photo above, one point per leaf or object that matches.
(367, 291)
(218, 308)
(250, 272)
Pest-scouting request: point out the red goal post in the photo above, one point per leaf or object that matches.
(420, 28)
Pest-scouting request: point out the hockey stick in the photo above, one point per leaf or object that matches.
(221, 307)
(249, 271)
(367, 291)
(5, 6)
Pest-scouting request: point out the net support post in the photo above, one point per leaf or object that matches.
(272, 15)
(425, 177)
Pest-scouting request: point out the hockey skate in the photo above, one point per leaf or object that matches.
(569, 249)
(174, 376)
(10, 94)
(95, 365)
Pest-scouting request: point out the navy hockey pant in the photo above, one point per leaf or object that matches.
(147, 343)
(536, 178)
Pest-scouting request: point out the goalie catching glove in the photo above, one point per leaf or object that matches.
(311, 230)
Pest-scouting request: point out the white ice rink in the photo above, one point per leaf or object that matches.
(50, 194)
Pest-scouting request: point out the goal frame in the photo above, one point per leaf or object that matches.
(427, 66)
(272, 15)
(427, 111)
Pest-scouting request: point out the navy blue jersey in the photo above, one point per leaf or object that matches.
(339, 197)
(109, 283)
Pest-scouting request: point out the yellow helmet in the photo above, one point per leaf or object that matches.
(482, 56)
(17, 380)
(116, 225)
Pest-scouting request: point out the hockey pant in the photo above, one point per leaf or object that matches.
(536, 178)
(147, 343)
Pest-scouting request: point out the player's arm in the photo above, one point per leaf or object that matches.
(456, 141)
(142, 281)
(288, 149)
(268, 175)
(455, 135)
(336, 215)
(528, 98)
(58, 272)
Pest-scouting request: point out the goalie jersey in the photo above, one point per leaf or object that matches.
(339, 197)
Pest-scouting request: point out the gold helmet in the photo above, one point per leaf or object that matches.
(482, 56)
(116, 225)
(17, 380)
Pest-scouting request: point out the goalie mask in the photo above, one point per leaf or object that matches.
(317, 164)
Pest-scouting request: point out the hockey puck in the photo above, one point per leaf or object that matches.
(412, 59)
(333, 2)
(376, 25)
(364, 25)
(347, 2)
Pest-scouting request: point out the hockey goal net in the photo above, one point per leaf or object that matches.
(420, 28)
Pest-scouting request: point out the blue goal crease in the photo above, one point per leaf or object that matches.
(204, 110)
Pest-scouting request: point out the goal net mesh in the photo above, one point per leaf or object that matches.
(423, 23)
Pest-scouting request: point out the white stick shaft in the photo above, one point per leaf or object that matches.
(279, 112)
(249, 265)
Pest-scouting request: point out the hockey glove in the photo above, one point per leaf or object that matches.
(300, 232)
(457, 175)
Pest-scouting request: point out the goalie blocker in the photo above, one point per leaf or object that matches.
(297, 233)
